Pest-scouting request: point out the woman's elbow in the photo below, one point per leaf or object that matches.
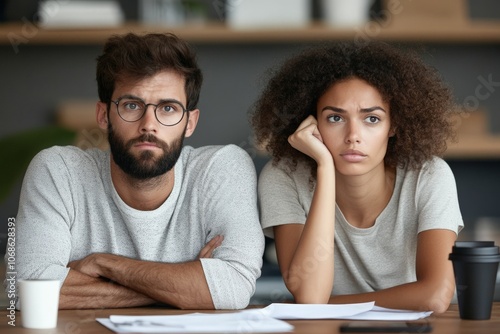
(438, 306)
(309, 295)
(305, 290)
(440, 299)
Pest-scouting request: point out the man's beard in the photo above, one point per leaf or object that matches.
(146, 166)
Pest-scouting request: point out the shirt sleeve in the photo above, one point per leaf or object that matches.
(230, 203)
(43, 239)
(437, 198)
(280, 198)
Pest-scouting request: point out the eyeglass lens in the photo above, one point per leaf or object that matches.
(167, 113)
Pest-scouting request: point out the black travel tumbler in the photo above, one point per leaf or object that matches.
(475, 265)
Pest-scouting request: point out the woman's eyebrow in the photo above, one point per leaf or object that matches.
(364, 110)
(339, 110)
(371, 109)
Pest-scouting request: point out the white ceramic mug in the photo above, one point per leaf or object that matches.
(39, 302)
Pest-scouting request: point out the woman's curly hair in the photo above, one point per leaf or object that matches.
(419, 100)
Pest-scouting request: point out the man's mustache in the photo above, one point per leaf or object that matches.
(147, 138)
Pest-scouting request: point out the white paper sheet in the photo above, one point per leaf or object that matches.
(361, 311)
(244, 321)
(316, 311)
(380, 313)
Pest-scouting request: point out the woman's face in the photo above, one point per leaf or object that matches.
(355, 125)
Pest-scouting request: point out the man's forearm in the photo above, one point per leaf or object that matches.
(81, 291)
(181, 285)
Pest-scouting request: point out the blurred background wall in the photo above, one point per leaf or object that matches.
(42, 77)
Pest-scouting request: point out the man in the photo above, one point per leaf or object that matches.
(150, 221)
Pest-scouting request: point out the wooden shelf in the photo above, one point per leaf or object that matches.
(475, 141)
(480, 147)
(468, 32)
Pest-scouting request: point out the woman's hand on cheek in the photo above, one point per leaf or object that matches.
(307, 139)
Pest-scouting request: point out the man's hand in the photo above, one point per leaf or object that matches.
(87, 265)
(80, 291)
(207, 251)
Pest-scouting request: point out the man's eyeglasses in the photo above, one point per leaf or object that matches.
(168, 112)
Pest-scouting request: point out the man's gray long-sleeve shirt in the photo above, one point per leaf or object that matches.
(69, 209)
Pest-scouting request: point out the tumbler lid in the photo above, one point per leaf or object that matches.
(474, 243)
(475, 248)
(474, 258)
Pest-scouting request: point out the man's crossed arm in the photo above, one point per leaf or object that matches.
(107, 280)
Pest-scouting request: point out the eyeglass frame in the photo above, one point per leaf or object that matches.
(146, 105)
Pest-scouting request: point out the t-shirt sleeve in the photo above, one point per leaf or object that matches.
(280, 199)
(230, 204)
(43, 239)
(437, 198)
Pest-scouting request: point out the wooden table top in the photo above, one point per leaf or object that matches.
(84, 322)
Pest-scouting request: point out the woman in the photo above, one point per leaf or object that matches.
(359, 203)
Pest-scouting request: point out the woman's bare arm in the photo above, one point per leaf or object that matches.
(305, 252)
(435, 284)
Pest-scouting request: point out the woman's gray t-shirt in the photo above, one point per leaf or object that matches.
(382, 256)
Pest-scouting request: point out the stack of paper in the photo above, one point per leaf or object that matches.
(248, 321)
(57, 14)
(254, 320)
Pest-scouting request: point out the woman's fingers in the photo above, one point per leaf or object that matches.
(306, 122)
(307, 139)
